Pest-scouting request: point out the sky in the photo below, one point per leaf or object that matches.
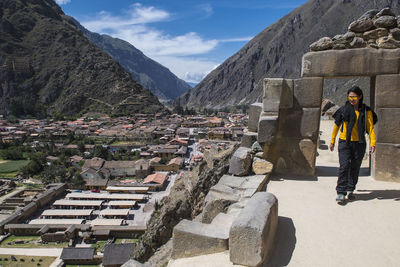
(190, 37)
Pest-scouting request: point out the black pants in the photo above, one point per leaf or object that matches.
(350, 158)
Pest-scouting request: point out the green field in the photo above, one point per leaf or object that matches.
(29, 242)
(26, 261)
(11, 168)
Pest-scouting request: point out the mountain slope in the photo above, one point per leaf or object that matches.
(48, 65)
(276, 52)
(149, 73)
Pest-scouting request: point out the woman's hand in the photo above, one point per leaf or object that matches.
(371, 150)
(331, 147)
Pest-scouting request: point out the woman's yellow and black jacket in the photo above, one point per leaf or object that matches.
(352, 122)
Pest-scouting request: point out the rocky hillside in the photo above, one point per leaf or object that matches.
(149, 73)
(276, 52)
(48, 66)
(185, 201)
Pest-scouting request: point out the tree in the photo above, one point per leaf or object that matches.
(12, 153)
(81, 146)
(36, 165)
(78, 180)
(178, 109)
(102, 152)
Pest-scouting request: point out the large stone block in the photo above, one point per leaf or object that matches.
(387, 129)
(252, 234)
(248, 139)
(272, 94)
(310, 120)
(308, 92)
(290, 123)
(267, 127)
(387, 91)
(278, 93)
(229, 190)
(351, 62)
(386, 163)
(255, 110)
(308, 149)
(292, 156)
(194, 238)
(240, 162)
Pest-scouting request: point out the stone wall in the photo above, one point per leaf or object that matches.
(290, 143)
(288, 123)
(386, 163)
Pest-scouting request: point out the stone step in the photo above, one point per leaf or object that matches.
(224, 221)
(192, 238)
(248, 139)
(231, 189)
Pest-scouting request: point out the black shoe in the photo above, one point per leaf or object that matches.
(350, 195)
(341, 199)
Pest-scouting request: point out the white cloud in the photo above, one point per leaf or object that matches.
(182, 54)
(232, 40)
(189, 69)
(62, 2)
(136, 15)
(207, 9)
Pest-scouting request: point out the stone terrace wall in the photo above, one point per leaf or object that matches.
(26, 212)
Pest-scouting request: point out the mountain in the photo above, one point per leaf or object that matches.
(48, 66)
(149, 73)
(276, 52)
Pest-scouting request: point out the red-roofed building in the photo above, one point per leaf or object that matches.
(157, 179)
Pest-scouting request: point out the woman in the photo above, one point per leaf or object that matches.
(353, 120)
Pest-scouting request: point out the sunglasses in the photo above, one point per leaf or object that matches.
(352, 97)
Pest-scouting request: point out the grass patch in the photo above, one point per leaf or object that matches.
(126, 240)
(26, 261)
(9, 174)
(29, 242)
(99, 245)
(12, 166)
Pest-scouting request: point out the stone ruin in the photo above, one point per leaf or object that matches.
(238, 215)
(375, 29)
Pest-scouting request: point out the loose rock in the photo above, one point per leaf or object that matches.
(361, 25)
(395, 34)
(385, 12)
(358, 43)
(375, 34)
(256, 147)
(349, 36)
(261, 166)
(388, 43)
(240, 162)
(339, 41)
(339, 46)
(324, 43)
(370, 14)
(385, 22)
